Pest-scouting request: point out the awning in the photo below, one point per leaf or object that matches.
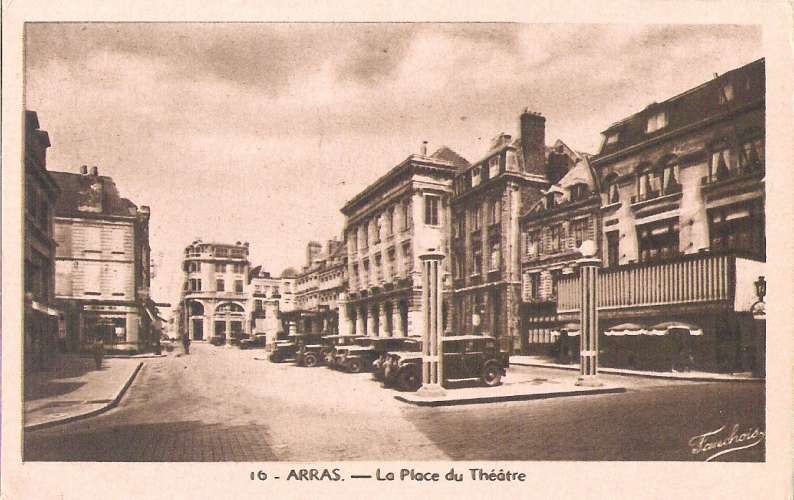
(571, 329)
(671, 326)
(626, 329)
(45, 309)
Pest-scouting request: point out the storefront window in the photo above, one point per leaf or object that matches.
(738, 229)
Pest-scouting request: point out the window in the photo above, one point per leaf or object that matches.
(555, 238)
(534, 285)
(613, 248)
(495, 255)
(239, 268)
(195, 285)
(495, 215)
(390, 222)
(432, 203)
(476, 218)
(477, 260)
(720, 166)
(551, 200)
(365, 235)
(475, 176)
(613, 193)
(656, 122)
(752, 153)
(376, 229)
(580, 229)
(406, 214)
(458, 229)
(460, 265)
(220, 268)
(555, 276)
(220, 285)
(238, 285)
(578, 191)
(738, 229)
(532, 244)
(726, 93)
(612, 138)
(493, 167)
(669, 177)
(258, 306)
(658, 240)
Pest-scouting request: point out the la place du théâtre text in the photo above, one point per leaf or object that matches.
(452, 475)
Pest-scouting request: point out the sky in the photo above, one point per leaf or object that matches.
(261, 132)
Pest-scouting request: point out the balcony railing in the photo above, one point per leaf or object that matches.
(690, 279)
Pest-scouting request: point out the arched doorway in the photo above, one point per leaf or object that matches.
(196, 313)
(229, 320)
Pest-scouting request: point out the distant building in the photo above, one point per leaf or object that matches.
(388, 226)
(489, 198)
(41, 332)
(318, 291)
(264, 297)
(215, 300)
(102, 264)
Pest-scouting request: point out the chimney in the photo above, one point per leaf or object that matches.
(84, 170)
(423, 150)
(533, 141)
(94, 171)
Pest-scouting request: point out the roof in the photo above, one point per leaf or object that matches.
(90, 196)
(689, 107)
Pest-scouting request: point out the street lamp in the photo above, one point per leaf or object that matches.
(588, 315)
(758, 310)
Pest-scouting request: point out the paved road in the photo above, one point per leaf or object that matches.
(222, 404)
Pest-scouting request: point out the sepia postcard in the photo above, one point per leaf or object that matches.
(378, 250)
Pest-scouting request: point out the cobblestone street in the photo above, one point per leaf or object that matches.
(221, 404)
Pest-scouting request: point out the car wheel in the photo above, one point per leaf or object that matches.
(275, 358)
(310, 360)
(409, 379)
(355, 366)
(491, 374)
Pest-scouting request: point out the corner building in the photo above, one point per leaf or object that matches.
(489, 198)
(387, 227)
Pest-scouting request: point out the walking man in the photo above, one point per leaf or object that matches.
(99, 351)
(186, 343)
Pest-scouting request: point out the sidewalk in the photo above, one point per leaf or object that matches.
(695, 376)
(75, 389)
(516, 386)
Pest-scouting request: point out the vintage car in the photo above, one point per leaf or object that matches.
(258, 341)
(323, 352)
(218, 340)
(465, 357)
(359, 358)
(285, 350)
(411, 344)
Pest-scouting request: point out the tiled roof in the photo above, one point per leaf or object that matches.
(80, 191)
(447, 154)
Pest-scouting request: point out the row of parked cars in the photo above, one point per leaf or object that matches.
(396, 361)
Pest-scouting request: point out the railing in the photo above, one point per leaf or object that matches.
(685, 280)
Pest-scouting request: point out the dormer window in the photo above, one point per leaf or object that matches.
(613, 138)
(551, 202)
(657, 121)
(578, 192)
(475, 176)
(493, 167)
(726, 93)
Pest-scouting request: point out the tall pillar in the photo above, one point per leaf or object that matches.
(588, 316)
(396, 320)
(360, 330)
(342, 313)
(384, 324)
(432, 351)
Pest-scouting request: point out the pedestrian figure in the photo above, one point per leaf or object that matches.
(99, 352)
(186, 343)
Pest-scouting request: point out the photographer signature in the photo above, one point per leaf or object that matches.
(716, 443)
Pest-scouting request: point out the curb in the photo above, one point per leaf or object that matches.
(514, 397)
(614, 371)
(92, 413)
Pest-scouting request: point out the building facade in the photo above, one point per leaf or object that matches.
(489, 198)
(42, 317)
(388, 226)
(215, 299)
(683, 228)
(265, 294)
(553, 229)
(102, 268)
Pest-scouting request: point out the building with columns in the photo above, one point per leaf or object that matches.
(102, 267)
(489, 198)
(387, 225)
(215, 300)
(265, 293)
(42, 317)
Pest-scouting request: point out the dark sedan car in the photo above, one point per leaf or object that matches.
(258, 341)
(288, 349)
(361, 357)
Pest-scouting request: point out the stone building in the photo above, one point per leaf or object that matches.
(265, 294)
(489, 198)
(553, 229)
(41, 327)
(319, 289)
(683, 228)
(215, 300)
(102, 271)
(387, 226)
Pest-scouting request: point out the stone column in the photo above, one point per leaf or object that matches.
(588, 317)
(384, 325)
(396, 320)
(342, 313)
(432, 352)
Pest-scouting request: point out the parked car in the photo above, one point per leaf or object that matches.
(285, 350)
(218, 340)
(317, 354)
(465, 357)
(258, 341)
(359, 358)
(411, 344)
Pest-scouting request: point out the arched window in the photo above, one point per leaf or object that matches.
(229, 307)
(196, 309)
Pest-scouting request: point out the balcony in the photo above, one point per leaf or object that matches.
(688, 283)
(734, 181)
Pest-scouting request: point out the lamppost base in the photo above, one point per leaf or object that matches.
(589, 381)
(431, 391)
